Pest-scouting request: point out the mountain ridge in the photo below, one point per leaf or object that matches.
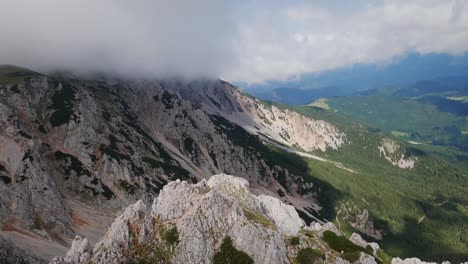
(93, 146)
(69, 139)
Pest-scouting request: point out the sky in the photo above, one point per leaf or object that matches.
(240, 41)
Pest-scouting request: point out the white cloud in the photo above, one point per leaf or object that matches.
(137, 37)
(258, 41)
(308, 38)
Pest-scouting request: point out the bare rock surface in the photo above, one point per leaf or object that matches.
(198, 218)
(9, 253)
(284, 216)
(391, 151)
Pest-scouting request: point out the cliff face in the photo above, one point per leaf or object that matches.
(72, 147)
(190, 223)
(281, 125)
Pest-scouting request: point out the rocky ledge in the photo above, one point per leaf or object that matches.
(220, 221)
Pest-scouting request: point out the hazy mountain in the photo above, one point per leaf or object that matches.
(345, 81)
(294, 96)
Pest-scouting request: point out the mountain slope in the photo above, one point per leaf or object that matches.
(410, 206)
(430, 115)
(76, 150)
(72, 143)
(408, 118)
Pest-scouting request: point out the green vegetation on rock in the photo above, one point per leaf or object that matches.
(294, 241)
(62, 103)
(171, 236)
(341, 243)
(228, 254)
(309, 256)
(258, 218)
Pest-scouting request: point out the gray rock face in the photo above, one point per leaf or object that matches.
(358, 240)
(203, 215)
(120, 235)
(366, 259)
(80, 252)
(284, 216)
(108, 143)
(211, 210)
(410, 261)
(11, 254)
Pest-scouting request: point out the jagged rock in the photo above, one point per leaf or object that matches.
(122, 234)
(285, 216)
(317, 227)
(411, 261)
(366, 259)
(80, 252)
(341, 261)
(416, 261)
(203, 215)
(226, 208)
(358, 240)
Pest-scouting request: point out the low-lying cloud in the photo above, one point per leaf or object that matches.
(138, 37)
(249, 41)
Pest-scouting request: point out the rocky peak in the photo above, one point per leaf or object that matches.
(196, 223)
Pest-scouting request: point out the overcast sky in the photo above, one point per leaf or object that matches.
(249, 41)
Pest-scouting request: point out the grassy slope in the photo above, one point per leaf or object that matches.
(419, 120)
(391, 113)
(433, 193)
(398, 198)
(407, 119)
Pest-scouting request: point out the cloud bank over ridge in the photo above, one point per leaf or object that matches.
(236, 40)
(141, 37)
(289, 40)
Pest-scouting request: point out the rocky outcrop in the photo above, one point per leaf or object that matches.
(412, 261)
(392, 152)
(284, 216)
(281, 125)
(358, 240)
(187, 223)
(80, 251)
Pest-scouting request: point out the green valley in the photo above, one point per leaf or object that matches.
(422, 211)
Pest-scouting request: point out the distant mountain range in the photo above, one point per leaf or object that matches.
(413, 68)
